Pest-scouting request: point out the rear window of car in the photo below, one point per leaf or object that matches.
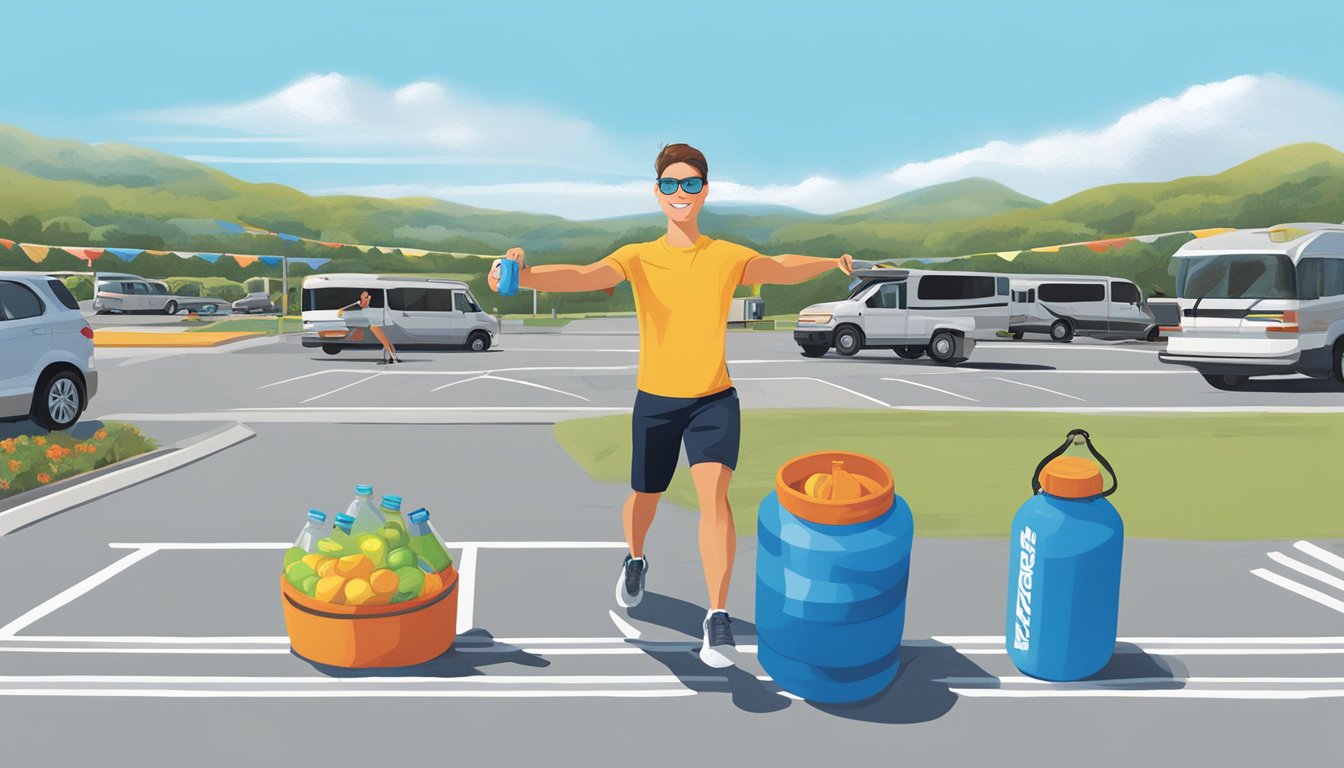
(63, 294)
(17, 301)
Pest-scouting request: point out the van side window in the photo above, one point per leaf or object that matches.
(1311, 279)
(951, 287)
(1124, 293)
(1073, 292)
(17, 301)
(1334, 277)
(1001, 285)
(140, 289)
(462, 304)
(1031, 295)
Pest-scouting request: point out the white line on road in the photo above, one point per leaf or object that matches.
(1043, 389)
(1024, 680)
(466, 583)
(819, 381)
(450, 544)
(340, 681)
(1324, 556)
(1156, 693)
(1187, 651)
(538, 386)
(935, 389)
(402, 693)
(1314, 595)
(23, 514)
(338, 389)
(65, 597)
(178, 651)
(1276, 640)
(152, 639)
(1061, 347)
(460, 381)
(1307, 570)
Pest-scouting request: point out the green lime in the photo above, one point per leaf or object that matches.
(298, 573)
(293, 555)
(401, 557)
(310, 585)
(410, 581)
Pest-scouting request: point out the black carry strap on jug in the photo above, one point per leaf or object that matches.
(1072, 439)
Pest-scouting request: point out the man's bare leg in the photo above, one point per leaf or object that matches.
(637, 515)
(718, 539)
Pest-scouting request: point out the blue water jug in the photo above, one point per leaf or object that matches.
(508, 277)
(831, 582)
(1064, 569)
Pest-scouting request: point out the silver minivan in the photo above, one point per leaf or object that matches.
(1064, 306)
(413, 312)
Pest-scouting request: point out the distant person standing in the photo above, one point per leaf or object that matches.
(683, 284)
(389, 352)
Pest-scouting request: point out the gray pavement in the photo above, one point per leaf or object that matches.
(148, 622)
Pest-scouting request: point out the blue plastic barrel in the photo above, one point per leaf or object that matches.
(831, 583)
(1064, 572)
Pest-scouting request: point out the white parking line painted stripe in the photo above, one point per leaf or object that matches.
(450, 544)
(1325, 556)
(538, 386)
(150, 640)
(466, 582)
(1157, 693)
(460, 381)
(1177, 651)
(308, 376)
(341, 681)
(339, 389)
(967, 371)
(577, 693)
(173, 651)
(1300, 589)
(819, 381)
(70, 594)
(1043, 389)
(935, 389)
(1277, 640)
(1024, 680)
(1307, 570)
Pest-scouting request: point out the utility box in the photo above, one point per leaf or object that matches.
(746, 309)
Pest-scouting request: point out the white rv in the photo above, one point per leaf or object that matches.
(912, 312)
(1261, 302)
(413, 312)
(1064, 306)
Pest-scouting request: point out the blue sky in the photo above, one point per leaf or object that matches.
(561, 106)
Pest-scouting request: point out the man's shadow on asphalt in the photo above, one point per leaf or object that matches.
(472, 651)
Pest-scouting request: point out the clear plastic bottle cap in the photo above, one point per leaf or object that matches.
(317, 516)
(419, 515)
(392, 502)
(364, 490)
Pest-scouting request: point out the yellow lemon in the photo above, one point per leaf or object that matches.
(330, 589)
(357, 592)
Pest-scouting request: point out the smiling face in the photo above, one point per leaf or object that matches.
(364, 299)
(681, 206)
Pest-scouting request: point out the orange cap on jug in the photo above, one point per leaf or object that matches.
(1071, 477)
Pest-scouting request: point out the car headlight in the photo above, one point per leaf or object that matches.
(820, 318)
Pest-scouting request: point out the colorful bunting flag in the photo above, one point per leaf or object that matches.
(414, 252)
(314, 263)
(36, 253)
(1008, 255)
(1101, 246)
(287, 238)
(208, 257)
(1201, 233)
(329, 245)
(6, 243)
(125, 254)
(84, 254)
(271, 261)
(244, 261)
(230, 228)
(364, 248)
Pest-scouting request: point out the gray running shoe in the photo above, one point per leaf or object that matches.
(630, 586)
(718, 649)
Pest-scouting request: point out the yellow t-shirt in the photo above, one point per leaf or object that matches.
(682, 296)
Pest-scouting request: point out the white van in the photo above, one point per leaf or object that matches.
(1064, 306)
(412, 311)
(912, 312)
(1261, 302)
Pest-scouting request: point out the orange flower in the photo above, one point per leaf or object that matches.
(43, 478)
(56, 453)
(40, 440)
(4, 485)
(15, 466)
(100, 434)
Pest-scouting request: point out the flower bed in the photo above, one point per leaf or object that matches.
(32, 461)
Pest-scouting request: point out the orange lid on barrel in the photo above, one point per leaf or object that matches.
(1071, 477)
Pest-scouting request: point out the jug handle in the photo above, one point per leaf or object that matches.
(1068, 441)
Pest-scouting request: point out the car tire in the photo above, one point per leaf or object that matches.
(331, 349)
(170, 308)
(1062, 331)
(1017, 335)
(943, 347)
(58, 401)
(1154, 334)
(1223, 381)
(1337, 359)
(478, 341)
(909, 353)
(814, 350)
(848, 340)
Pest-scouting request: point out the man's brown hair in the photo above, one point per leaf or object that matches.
(682, 153)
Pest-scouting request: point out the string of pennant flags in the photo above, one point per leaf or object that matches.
(232, 228)
(37, 254)
(1105, 244)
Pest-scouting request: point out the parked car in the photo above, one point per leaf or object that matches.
(911, 312)
(414, 312)
(130, 293)
(255, 303)
(1260, 302)
(1064, 306)
(47, 350)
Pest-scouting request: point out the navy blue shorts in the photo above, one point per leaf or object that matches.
(711, 427)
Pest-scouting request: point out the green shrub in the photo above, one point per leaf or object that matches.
(80, 286)
(183, 287)
(229, 291)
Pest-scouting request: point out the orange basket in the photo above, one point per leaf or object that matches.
(358, 636)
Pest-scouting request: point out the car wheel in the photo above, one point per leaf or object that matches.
(813, 350)
(331, 349)
(1224, 381)
(478, 341)
(1338, 358)
(1062, 330)
(943, 347)
(1017, 335)
(1154, 334)
(58, 401)
(170, 308)
(848, 340)
(909, 353)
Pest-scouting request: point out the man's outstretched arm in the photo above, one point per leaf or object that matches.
(562, 278)
(791, 268)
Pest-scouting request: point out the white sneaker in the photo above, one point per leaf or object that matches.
(718, 650)
(630, 585)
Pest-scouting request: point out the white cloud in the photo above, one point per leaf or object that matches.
(335, 111)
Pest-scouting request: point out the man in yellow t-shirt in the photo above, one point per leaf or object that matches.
(683, 284)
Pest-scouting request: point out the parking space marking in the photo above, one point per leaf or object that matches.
(402, 693)
(935, 389)
(1325, 556)
(70, 594)
(1315, 595)
(1043, 389)
(466, 584)
(1307, 570)
(819, 381)
(371, 680)
(490, 376)
(339, 389)
(1153, 693)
